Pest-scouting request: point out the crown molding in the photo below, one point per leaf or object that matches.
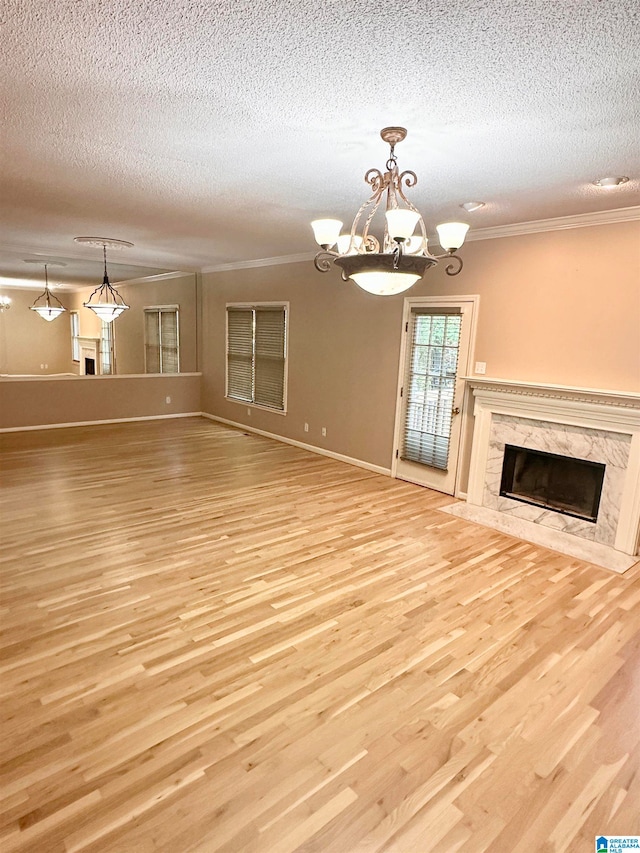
(537, 226)
(303, 257)
(163, 276)
(34, 284)
(560, 223)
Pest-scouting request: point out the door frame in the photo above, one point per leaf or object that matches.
(470, 301)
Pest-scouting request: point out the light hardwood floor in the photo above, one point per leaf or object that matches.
(213, 642)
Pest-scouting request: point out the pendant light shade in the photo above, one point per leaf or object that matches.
(105, 301)
(47, 305)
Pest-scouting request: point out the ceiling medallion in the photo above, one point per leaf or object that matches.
(45, 305)
(403, 257)
(105, 301)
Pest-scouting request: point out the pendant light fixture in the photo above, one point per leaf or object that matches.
(105, 301)
(395, 264)
(47, 305)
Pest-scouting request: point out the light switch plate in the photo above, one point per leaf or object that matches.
(481, 367)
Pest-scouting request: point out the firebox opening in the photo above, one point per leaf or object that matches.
(561, 483)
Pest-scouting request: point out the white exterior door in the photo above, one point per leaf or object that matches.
(435, 354)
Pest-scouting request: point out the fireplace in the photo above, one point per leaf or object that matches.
(560, 483)
(89, 356)
(589, 437)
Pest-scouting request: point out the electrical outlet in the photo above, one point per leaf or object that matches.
(324, 432)
(167, 400)
(306, 427)
(481, 367)
(249, 413)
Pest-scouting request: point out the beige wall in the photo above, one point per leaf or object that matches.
(80, 399)
(27, 341)
(559, 307)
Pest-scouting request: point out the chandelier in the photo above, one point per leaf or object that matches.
(45, 305)
(403, 257)
(105, 301)
(5, 303)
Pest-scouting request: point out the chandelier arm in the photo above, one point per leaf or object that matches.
(375, 201)
(323, 260)
(409, 178)
(48, 296)
(452, 268)
(98, 288)
(375, 179)
(117, 298)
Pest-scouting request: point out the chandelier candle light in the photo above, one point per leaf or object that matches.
(45, 305)
(403, 257)
(105, 301)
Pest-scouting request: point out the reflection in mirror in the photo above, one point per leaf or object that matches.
(30, 347)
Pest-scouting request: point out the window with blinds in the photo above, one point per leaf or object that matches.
(75, 335)
(161, 339)
(107, 348)
(430, 385)
(256, 354)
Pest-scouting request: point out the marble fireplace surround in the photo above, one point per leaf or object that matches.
(601, 426)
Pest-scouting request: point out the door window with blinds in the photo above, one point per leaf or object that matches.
(430, 386)
(257, 355)
(162, 339)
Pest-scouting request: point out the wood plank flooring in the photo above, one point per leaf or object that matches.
(213, 643)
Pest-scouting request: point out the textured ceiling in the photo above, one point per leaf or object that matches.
(212, 131)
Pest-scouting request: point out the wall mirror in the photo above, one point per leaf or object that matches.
(156, 334)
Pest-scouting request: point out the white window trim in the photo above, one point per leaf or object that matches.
(472, 301)
(285, 305)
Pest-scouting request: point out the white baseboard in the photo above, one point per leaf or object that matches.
(359, 463)
(108, 421)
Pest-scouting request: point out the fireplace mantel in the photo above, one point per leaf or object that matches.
(605, 422)
(538, 397)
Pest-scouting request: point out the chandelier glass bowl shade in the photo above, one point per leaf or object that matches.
(402, 257)
(47, 305)
(105, 301)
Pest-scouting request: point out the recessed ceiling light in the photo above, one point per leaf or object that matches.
(610, 183)
(470, 206)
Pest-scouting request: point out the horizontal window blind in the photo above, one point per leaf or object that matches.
(240, 354)
(430, 385)
(106, 348)
(169, 342)
(256, 355)
(162, 342)
(151, 342)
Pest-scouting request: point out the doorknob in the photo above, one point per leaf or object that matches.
(455, 411)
